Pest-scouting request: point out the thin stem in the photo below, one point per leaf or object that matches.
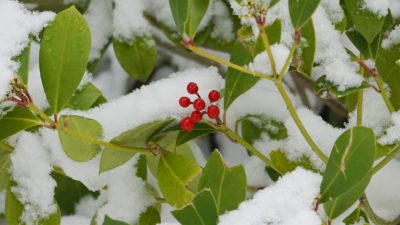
(268, 50)
(360, 99)
(227, 131)
(299, 123)
(6, 147)
(103, 143)
(214, 58)
(41, 114)
(384, 94)
(288, 60)
(389, 157)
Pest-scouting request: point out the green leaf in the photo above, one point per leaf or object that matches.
(109, 221)
(251, 132)
(174, 173)
(348, 171)
(138, 58)
(17, 120)
(150, 217)
(86, 98)
(5, 164)
(199, 130)
(64, 54)
(252, 124)
(135, 138)
(23, 59)
(141, 167)
(188, 15)
(369, 51)
(323, 85)
(284, 165)
(307, 52)
(365, 22)
(355, 216)
(202, 211)
(77, 149)
(14, 210)
(301, 11)
(389, 70)
(228, 185)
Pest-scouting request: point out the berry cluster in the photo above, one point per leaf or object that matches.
(199, 105)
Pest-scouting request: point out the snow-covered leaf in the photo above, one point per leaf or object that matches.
(173, 174)
(324, 85)
(137, 58)
(86, 98)
(228, 185)
(284, 165)
(76, 148)
(17, 120)
(135, 138)
(23, 59)
(64, 54)
(348, 171)
(202, 211)
(150, 217)
(301, 11)
(366, 22)
(307, 52)
(188, 15)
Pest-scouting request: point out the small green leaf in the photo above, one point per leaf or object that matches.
(301, 11)
(307, 52)
(251, 132)
(23, 59)
(141, 167)
(366, 22)
(5, 164)
(324, 85)
(355, 216)
(202, 211)
(86, 98)
(228, 185)
(199, 130)
(76, 148)
(284, 165)
(348, 171)
(17, 120)
(109, 221)
(138, 58)
(174, 173)
(369, 51)
(64, 54)
(135, 138)
(150, 217)
(188, 15)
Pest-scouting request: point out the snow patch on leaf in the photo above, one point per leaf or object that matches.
(379, 7)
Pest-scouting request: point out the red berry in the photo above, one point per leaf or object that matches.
(184, 102)
(199, 104)
(213, 111)
(192, 88)
(187, 124)
(196, 116)
(214, 96)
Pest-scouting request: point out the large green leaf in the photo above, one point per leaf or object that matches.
(150, 217)
(301, 11)
(366, 22)
(86, 98)
(174, 173)
(188, 15)
(64, 54)
(228, 185)
(138, 58)
(17, 120)
(308, 51)
(349, 170)
(237, 83)
(135, 138)
(76, 148)
(202, 211)
(390, 71)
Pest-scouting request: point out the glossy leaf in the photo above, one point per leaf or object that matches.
(188, 15)
(349, 170)
(174, 173)
(17, 120)
(202, 211)
(324, 85)
(389, 70)
(301, 11)
(228, 185)
(77, 149)
(307, 52)
(251, 131)
(199, 130)
(86, 98)
(150, 217)
(109, 221)
(135, 138)
(64, 54)
(369, 51)
(366, 22)
(138, 58)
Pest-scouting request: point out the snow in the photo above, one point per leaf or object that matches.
(322, 133)
(31, 170)
(19, 24)
(129, 21)
(75, 220)
(35, 88)
(333, 9)
(393, 38)
(161, 11)
(223, 24)
(99, 16)
(262, 63)
(395, 8)
(2, 202)
(392, 134)
(379, 7)
(288, 202)
(88, 206)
